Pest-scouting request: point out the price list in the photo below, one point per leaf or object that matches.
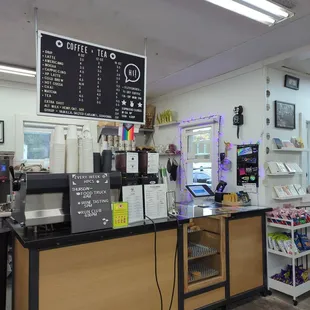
(82, 80)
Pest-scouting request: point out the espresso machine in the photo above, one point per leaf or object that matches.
(43, 198)
(6, 160)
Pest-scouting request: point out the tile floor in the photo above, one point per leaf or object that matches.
(275, 302)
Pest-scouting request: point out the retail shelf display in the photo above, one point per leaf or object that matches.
(291, 150)
(167, 124)
(289, 197)
(291, 174)
(287, 255)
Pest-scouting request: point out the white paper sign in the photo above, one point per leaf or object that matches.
(152, 163)
(132, 163)
(250, 188)
(155, 200)
(133, 195)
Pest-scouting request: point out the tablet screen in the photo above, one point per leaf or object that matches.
(200, 190)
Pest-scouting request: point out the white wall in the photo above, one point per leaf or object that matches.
(15, 98)
(301, 99)
(20, 99)
(220, 96)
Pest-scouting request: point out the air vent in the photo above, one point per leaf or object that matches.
(289, 4)
(294, 70)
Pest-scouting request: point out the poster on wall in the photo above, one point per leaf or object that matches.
(247, 164)
(78, 79)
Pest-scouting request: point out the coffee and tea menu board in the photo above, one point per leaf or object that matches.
(82, 80)
(90, 201)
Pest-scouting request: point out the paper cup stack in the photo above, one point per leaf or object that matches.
(87, 151)
(80, 150)
(72, 156)
(58, 151)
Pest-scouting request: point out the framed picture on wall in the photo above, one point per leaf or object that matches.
(285, 115)
(1, 132)
(291, 82)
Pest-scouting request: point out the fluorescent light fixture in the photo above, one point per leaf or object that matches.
(262, 11)
(17, 71)
(269, 7)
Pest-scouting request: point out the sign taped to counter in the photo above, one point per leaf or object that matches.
(77, 79)
(90, 201)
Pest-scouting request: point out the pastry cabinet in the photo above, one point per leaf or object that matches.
(204, 261)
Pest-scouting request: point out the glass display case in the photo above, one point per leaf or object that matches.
(204, 253)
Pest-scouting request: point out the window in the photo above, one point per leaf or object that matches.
(36, 145)
(33, 136)
(201, 155)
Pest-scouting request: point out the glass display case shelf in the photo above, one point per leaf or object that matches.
(196, 251)
(198, 272)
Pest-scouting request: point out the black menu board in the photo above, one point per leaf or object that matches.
(90, 201)
(83, 80)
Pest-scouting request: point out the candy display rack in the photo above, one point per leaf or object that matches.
(277, 260)
(204, 253)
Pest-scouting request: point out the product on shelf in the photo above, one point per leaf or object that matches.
(289, 190)
(192, 227)
(278, 143)
(286, 275)
(199, 272)
(285, 216)
(282, 242)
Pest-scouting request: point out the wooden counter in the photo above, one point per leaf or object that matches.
(117, 273)
(114, 269)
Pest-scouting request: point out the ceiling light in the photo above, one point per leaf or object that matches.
(262, 11)
(17, 71)
(270, 7)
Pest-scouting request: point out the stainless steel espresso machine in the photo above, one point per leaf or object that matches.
(6, 160)
(43, 198)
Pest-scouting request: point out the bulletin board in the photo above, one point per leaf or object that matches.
(247, 164)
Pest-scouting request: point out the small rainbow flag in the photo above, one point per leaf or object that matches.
(128, 132)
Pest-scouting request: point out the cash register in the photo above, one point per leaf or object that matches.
(202, 194)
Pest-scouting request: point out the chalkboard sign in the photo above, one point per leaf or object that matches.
(83, 80)
(90, 201)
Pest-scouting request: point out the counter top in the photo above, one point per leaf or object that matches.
(190, 210)
(61, 237)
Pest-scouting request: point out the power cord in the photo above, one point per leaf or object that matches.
(155, 256)
(175, 265)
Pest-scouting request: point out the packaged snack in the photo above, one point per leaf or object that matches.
(270, 243)
(297, 242)
(305, 242)
(280, 241)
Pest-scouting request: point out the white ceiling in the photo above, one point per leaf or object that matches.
(188, 40)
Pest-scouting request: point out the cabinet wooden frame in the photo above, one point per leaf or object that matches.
(210, 227)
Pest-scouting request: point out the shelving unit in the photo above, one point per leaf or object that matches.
(281, 174)
(204, 253)
(291, 150)
(284, 179)
(167, 124)
(277, 260)
(289, 198)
